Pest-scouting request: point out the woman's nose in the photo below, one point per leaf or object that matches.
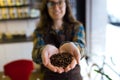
(56, 6)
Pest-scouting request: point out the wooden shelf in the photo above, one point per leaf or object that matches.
(24, 5)
(16, 40)
(24, 18)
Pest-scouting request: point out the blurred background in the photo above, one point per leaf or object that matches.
(101, 19)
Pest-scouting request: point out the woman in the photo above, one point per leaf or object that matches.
(58, 31)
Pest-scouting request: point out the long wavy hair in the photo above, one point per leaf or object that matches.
(46, 21)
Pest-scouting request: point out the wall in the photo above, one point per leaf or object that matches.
(96, 21)
(20, 50)
(18, 26)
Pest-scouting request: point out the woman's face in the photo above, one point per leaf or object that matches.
(56, 9)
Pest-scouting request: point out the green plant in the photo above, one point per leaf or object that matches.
(102, 73)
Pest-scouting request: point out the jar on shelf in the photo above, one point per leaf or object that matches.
(26, 12)
(19, 13)
(5, 13)
(12, 13)
(3, 3)
(11, 2)
(26, 2)
(19, 2)
(34, 13)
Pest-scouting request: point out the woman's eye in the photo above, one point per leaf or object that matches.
(52, 4)
(60, 3)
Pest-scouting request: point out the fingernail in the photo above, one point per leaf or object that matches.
(55, 70)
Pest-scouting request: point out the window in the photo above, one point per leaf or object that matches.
(113, 12)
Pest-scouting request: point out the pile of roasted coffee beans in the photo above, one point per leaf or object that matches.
(61, 59)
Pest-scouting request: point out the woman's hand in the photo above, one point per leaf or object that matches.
(47, 52)
(71, 48)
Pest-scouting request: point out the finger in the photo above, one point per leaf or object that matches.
(60, 69)
(67, 69)
(61, 50)
(71, 66)
(77, 56)
(78, 59)
(51, 67)
(45, 59)
(56, 51)
(73, 63)
(65, 50)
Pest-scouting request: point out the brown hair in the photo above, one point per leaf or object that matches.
(46, 21)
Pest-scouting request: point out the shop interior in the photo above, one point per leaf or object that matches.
(18, 19)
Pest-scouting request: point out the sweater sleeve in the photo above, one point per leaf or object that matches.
(79, 39)
(38, 45)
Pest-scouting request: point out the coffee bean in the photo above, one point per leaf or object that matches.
(61, 59)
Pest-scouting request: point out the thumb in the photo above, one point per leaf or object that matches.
(61, 50)
(77, 56)
(45, 58)
(78, 60)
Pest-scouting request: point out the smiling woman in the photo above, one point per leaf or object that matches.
(57, 32)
